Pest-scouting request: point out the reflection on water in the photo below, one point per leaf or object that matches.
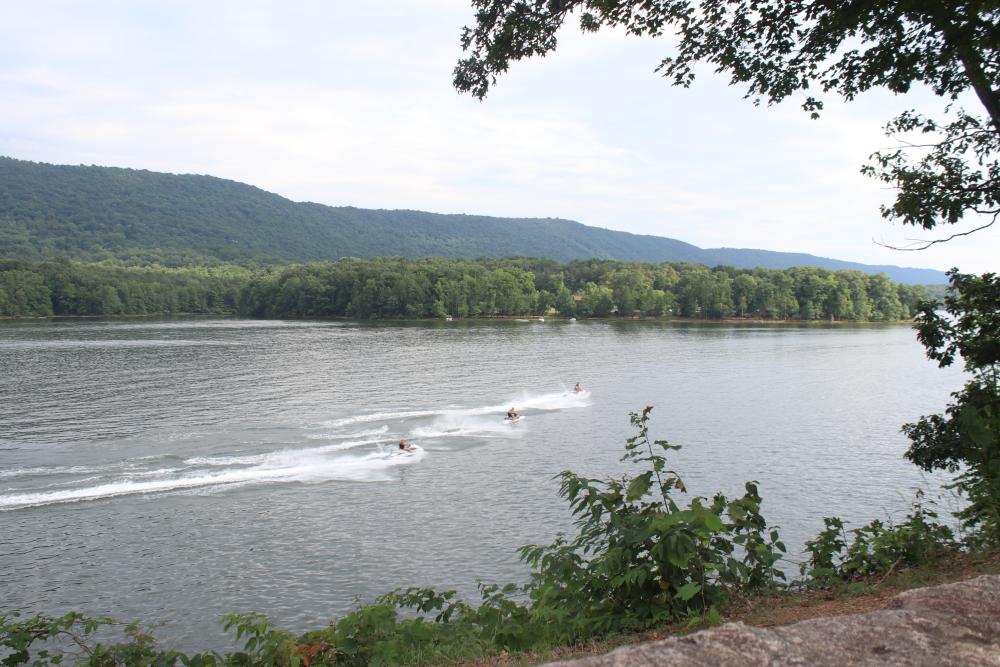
(180, 470)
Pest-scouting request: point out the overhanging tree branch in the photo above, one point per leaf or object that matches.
(780, 48)
(925, 244)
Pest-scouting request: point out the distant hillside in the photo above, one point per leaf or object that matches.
(102, 212)
(745, 258)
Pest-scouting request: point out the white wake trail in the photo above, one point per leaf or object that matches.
(302, 466)
(560, 400)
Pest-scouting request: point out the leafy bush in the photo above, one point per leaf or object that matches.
(74, 634)
(877, 547)
(966, 437)
(639, 558)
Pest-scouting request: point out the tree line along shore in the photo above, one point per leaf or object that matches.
(434, 287)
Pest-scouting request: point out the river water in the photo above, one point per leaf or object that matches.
(174, 471)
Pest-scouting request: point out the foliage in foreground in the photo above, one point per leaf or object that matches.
(877, 547)
(639, 558)
(966, 437)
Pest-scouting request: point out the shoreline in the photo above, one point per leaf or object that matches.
(480, 318)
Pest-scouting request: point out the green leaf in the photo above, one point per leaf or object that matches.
(713, 522)
(639, 486)
(688, 590)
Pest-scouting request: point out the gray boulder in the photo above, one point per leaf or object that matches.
(955, 624)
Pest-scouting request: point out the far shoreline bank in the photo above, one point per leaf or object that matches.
(479, 318)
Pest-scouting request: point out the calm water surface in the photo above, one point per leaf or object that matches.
(178, 470)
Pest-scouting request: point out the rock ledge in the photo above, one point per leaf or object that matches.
(954, 624)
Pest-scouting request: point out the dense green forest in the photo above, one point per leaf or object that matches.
(144, 217)
(404, 288)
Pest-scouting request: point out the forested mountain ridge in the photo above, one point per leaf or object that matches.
(96, 213)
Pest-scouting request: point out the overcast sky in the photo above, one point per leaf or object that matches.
(351, 104)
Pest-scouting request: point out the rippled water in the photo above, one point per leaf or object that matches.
(178, 470)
